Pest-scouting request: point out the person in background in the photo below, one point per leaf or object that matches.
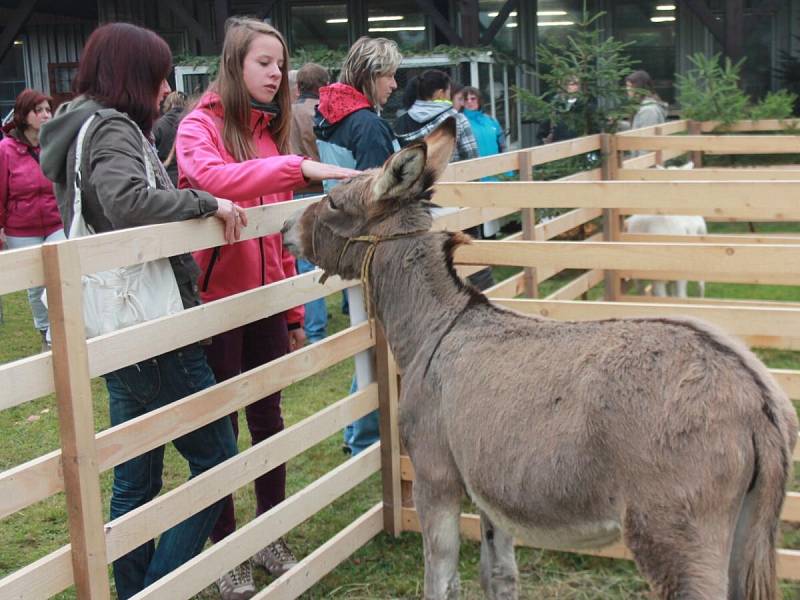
(28, 208)
(488, 132)
(351, 133)
(457, 92)
(491, 140)
(236, 142)
(427, 103)
(651, 110)
(302, 140)
(310, 78)
(294, 92)
(164, 131)
(121, 81)
(570, 108)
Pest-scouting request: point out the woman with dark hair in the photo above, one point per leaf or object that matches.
(430, 106)
(121, 81)
(28, 208)
(652, 110)
(236, 142)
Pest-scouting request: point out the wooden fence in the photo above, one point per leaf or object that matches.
(620, 187)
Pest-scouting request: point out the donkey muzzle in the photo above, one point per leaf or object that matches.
(290, 233)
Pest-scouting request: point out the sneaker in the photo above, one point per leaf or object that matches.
(237, 584)
(276, 558)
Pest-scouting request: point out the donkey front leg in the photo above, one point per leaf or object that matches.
(439, 509)
(499, 575)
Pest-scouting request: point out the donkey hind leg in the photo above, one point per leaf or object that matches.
(499, 576)
(681, 555)
(439, 514)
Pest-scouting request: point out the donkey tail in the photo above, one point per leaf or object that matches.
(752, 568)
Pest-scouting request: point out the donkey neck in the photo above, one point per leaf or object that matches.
(416, 293)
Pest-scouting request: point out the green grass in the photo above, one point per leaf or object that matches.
(384, 568)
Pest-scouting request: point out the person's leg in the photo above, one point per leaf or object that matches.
(185, 372)
(365, 432)
(348, 429)
(316, 321)
(264, 341)
(132, 392)
(224, 356)
(38, 309)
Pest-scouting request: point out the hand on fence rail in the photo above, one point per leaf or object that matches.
(234, 218)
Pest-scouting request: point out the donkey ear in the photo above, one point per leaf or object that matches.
(400, 173)
(441, 144)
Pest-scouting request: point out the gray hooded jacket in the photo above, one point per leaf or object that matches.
(651, 112)
(115, 192)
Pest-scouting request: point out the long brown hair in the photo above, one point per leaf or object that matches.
(236, 134)
(641, 80)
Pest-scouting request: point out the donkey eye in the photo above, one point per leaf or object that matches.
(332, 204)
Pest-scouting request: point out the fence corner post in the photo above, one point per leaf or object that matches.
(388, 399)
(611, 216)
(530, 281)
(76, 420)
(696, 156)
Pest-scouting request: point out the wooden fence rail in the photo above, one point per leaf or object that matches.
(76, 467)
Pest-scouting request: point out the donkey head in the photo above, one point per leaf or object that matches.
(391, 200)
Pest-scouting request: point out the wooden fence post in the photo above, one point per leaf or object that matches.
(659, 153)
(76, 420)
(388, 397)
(530, 281)
(696, 128)
(611, 218)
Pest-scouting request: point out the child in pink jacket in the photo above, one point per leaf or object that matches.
(233, 145)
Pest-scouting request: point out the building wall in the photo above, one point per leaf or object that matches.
(51, 44)
(158, 17)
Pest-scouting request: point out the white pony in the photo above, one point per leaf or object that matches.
(669, 225)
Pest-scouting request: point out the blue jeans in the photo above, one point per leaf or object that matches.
(137, 390)
(40, 318)
(361, 434)
(316, 322)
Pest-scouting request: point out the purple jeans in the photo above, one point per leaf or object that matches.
(230, 354)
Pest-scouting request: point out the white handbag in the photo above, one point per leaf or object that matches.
(123, 296)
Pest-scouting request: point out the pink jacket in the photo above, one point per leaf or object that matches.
(28, 207)
(203, 163)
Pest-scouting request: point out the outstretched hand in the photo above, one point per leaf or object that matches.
(234, 218)
(317, 171)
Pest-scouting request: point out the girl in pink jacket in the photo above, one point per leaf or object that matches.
(28, 208)
(233, 145)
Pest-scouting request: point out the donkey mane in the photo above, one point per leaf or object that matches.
(451, 242)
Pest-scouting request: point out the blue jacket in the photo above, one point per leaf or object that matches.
(349, 133)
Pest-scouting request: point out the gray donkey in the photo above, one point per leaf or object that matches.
(564, 434)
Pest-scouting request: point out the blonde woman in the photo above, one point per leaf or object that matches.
(351, 133)
(234, 144)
